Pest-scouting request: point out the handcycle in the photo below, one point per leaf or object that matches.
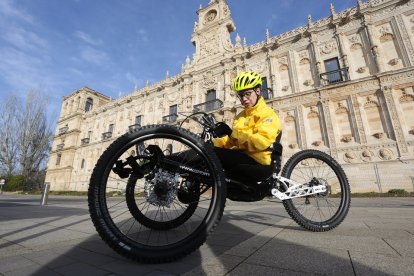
(158, 192)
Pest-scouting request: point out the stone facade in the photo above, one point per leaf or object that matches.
(343, 85)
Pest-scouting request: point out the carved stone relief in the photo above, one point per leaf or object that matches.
(209, 80)
(367, 155)
(350, 157)
(328, 48)
(385, 154)
(210, 16)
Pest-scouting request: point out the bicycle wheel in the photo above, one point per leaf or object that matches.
(323, 211)
(150, 208)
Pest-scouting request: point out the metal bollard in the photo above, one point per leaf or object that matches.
(45, 194)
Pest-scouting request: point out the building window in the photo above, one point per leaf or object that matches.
(172, 117)
(332, 70)
(58, 158)
(265, 90)
(210, 98)
(111, 128)
(83, 163)
(89, 134)
(88, 104)
(138, 120)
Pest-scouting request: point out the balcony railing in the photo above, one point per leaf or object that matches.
(60, 146)
(208, 106)
(170, 118)
(106, 135)
(84, 141)
(63, 130)
(133, 127)
(335, 76)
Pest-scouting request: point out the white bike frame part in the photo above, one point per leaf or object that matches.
(296, 189)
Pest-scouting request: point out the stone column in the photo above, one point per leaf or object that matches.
(329, 127)
(342, 50)
(301, 130)
(317, 60)
(293, 75)
(406, 42)
(374, 47)
(356, 113)
(395, 121)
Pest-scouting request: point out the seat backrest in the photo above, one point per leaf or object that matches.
(277, 150)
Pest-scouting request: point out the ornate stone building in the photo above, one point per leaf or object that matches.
(342, 84)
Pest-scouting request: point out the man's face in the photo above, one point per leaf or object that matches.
(248, 98)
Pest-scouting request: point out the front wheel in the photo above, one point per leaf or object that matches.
(147, 205)
(323, 211)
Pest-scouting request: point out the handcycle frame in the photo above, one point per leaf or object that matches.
(291, 189)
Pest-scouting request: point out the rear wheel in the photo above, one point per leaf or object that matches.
(323, 211)
(161, 212)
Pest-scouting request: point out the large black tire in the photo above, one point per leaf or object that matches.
(320, 212)
(192, 222)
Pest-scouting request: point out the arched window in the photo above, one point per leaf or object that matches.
(83, 163)
(88, 104)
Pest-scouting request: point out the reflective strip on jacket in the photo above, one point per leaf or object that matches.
(254, 130)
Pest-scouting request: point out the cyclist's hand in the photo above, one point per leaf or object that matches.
(221, 129)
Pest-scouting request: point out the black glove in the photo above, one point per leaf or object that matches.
(221, 129)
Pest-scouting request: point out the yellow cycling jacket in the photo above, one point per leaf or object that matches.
(254, 130)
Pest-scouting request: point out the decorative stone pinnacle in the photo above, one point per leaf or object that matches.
(244, 42)
(167, 76)
(309, 19)
(238, 41)
(331, 7)
(267, 34)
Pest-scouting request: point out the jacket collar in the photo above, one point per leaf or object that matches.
(260, 104)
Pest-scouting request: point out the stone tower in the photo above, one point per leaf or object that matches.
(68, 131)
(211, 35)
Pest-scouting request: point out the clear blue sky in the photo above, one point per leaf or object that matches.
(55, 46)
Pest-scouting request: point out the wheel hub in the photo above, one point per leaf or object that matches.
(321, 181)
(161, 190)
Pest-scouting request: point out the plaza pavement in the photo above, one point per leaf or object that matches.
(377, 238)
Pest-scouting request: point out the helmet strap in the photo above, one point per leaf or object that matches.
(258, 96)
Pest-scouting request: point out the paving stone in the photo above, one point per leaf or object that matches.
(216, 266)
(49, 258)
(126, 267)
(81, 269)
(320, 240)
(32, 270)
(89, 257)
(250, 269)
(377, 264)
(9, 264)
(302, 258)
(404, 247)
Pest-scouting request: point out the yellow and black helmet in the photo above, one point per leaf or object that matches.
(246, 80)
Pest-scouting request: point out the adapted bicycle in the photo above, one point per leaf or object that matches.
(159, 191)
